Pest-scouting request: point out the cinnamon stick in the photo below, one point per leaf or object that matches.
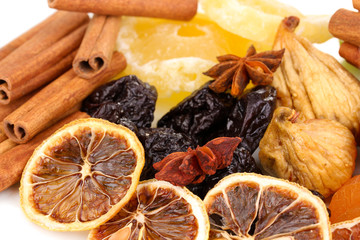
(13, 161)
(9, 108)
(50, 103)
(97, 46)
(41, 69)
(3, 136)
(356, 4)
(351, 53)
(17, 42)
(171, 9)
(19, 76)
(6, 145)
(345, 24)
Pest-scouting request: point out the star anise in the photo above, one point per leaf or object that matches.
(191, 167)
(235, 72)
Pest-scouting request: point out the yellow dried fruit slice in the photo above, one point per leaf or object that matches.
(158, 210)
(172, 55)
(258, 20)
(347, 230)
(82, 175)
(253, 206)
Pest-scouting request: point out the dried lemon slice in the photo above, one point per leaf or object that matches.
(158, 210)
(82, 175)
(347, 230)
(252, 206)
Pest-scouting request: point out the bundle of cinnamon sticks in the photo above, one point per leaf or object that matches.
(345, 25)
(46, 72)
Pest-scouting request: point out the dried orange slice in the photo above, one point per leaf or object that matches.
(158, 210)
(82, 175)
(348, 230)
(253, 206)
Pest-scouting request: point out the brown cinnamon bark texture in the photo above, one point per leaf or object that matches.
(7, 145)
(171, 9)
(13, 161)
(345, 24)
(53, 101)
(97, 47)
(9, 108)
(3, 136)
(17, 42)
(33, 65)
(351, 53)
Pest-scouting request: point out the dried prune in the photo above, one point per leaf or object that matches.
(199, 114)
(129, 124)
(242, 162)
(250, 117)
(127, 97)
(158, 143)
(206, 115)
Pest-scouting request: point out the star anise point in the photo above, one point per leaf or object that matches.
(236, 72)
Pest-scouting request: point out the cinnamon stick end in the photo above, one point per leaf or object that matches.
(88, 69)
(16, 133)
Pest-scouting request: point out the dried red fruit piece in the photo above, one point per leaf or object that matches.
(191, 167)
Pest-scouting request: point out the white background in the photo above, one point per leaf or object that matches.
(16, 16)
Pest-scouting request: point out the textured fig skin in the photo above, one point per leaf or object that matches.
(314, 83)
(318, 153)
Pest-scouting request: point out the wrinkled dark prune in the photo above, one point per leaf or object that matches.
(129, 124)
(206, 115)
(242, 162)
(158, 143)
(250, 117)
(199, 114)
(127, 97)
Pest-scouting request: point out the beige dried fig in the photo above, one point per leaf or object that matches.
(318, 153)
(315, 83)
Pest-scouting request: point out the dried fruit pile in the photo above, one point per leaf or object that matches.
(299, 106)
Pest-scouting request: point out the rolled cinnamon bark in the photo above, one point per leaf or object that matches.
(171, 9)
(97, 47)
(50, 104)
(17, 42)
(41, 69)
(13, 161)
(351, 53)
(7, 145)
(26, 68)
(9, 108)
(345, 24)
(3, 136)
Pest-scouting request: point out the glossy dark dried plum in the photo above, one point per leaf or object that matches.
(250, 117)
(242, 162)
(129, 124)
(158, 143)
(127, 97)
(199, 114)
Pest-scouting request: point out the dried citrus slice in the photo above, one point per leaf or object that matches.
(253, 206)
(82, 175)
(348, 230)
(158, 210)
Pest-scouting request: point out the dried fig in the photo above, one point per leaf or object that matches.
(318, 153)
(315, 83)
